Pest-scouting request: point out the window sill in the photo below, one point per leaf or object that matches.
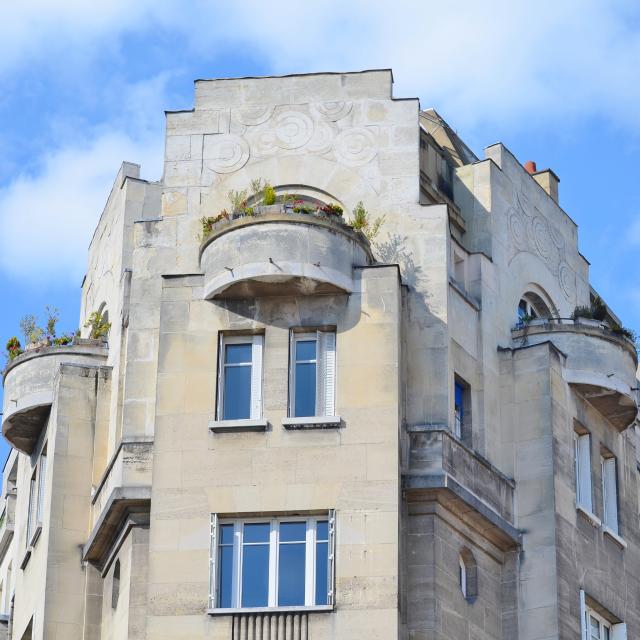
(614, 536)
(26, 558)
(225, 426)
(591, 517)
(312, 422)
(327, 608)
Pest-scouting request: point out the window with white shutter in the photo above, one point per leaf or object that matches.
(33, 506)
(595, 626)
(610, 493)
(582, 446)
(240, 378)
(42, 476)
(312, 374)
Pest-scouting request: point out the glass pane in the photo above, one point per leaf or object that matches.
(291, 574)
(305, 399)
(255, 575)
(605, 633)
(226, 534)
(322, 530)
(293, 531)
(595, 628)
(459, 398)
(322, 572)
(256, 532)
(306, 350)
(226, 576)
(237, 353)
(237, 393)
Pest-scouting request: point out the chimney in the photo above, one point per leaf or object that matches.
(546, 178)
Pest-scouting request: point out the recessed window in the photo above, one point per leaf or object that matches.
(609, 492)
(276, 562)
(35, 515)
(532, 306)
(115, 585)
(597, 623)
(462, 410)
(240, 378)
(582, 458)
(313, 374)
(468, 574)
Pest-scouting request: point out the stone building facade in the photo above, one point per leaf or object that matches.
(296, 431)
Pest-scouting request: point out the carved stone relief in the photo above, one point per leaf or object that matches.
(323, 129)
(531, 232)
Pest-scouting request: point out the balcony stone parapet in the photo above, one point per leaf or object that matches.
(599, 363)
(281, 253)
(444, 470)
(29, 387)
(123, 494)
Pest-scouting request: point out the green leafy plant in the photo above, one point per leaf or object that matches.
(257, 187)
(303, 208)
(208, 222)
(630, 334)
(268, 195)
(53, 316)
(597, 310)
(14, 348)
(99, 326)
(238, 200)
(31, 331)
(63, 340)
(333, 209)
(361, 221)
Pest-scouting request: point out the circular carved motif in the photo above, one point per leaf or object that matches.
(518, 230)
(542, 237)
(293, 129)
(254, 115)
(322, 138)
(263, 142)
(227, 153)
(355, 146)
(332, 111)
(566, 278)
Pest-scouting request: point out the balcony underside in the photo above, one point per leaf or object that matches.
(22, 429)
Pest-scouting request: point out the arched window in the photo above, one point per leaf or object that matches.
(531, 307)
(115, 587)
(468, 574)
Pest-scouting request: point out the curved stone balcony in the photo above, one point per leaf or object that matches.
(29, 387)
(281, 253)
(600, 364)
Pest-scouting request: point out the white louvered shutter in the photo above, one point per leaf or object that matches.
(619, 631)
(33, 501)
(213, 565)
(42, 476)
(326, 378)
(610, 493)
(332, 556)
(583, 471)
(256, 377)
(584, 623)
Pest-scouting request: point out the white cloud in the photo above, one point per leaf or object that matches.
(479, 62)
(46, 219)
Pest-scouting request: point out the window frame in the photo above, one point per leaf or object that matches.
(326, 374)
(583, 471)
(256, 374)
(274, 522)
(610, 494)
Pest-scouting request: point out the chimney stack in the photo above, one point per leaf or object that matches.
(546, 178)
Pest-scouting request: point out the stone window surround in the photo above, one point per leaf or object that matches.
(217, 519)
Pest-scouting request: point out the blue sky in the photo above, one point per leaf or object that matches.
(85, 86)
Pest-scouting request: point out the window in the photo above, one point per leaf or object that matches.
(462, 410)
(532, 306)
(582, 445)
(240, 377)
(468, 574)
(115, 585)
(594, 624)
(277, 562)
(609, 493)
(313, 374)
(42, 474)
(33, 500)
